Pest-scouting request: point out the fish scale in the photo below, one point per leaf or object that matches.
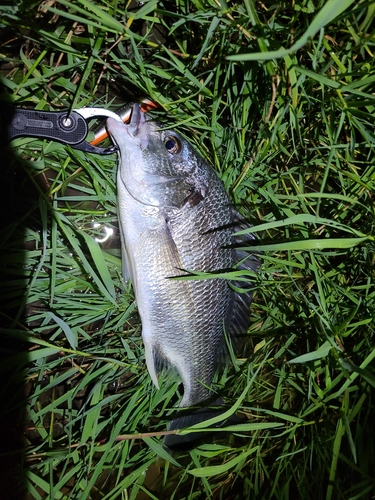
(175, 216)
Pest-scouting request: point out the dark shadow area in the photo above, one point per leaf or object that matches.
(18, 199)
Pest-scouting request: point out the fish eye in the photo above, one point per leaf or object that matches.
(172, 144)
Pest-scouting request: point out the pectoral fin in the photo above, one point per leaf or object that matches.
(125, 261)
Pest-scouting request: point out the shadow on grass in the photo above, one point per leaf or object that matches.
(17, 199)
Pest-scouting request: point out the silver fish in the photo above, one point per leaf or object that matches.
(174, 216)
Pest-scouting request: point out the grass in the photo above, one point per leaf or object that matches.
(291, 134)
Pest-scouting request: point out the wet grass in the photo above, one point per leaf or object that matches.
(291, 134)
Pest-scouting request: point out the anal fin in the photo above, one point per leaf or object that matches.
(151, 362)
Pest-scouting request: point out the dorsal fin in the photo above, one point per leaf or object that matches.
(238, 320)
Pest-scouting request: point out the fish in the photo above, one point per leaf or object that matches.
(176, 217)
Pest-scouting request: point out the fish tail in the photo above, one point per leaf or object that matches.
(187, 419)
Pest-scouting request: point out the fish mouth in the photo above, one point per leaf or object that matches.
(131, 134)
(137, 120)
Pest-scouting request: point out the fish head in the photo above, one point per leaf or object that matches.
(157, 167)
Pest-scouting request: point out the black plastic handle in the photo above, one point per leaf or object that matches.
(67, 128)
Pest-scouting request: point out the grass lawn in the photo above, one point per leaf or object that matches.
(279, 97)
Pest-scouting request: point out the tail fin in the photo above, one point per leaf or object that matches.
(189, 418)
